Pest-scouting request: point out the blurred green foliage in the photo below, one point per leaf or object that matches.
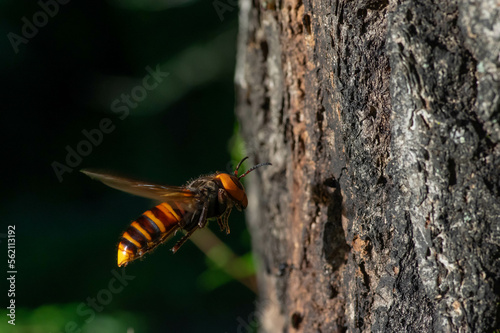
(63, 81)
(63, 318)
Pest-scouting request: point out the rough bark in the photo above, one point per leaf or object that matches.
(381, 211)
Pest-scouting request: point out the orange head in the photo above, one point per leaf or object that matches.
(233, 186)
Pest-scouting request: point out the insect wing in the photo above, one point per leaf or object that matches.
(172, 194)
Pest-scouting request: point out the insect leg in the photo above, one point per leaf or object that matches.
(184, 239)
(223, 220)
(202, 221)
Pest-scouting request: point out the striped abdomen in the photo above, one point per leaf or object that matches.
(148, 231)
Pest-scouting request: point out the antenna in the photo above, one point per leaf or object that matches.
(238, 166)
(253, 168)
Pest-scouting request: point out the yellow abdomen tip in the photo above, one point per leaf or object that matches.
(124, 255)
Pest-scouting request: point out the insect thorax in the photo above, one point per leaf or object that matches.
(208, 189)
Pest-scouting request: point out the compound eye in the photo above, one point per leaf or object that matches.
(234, 188)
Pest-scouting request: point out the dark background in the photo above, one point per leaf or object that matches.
(63, 81)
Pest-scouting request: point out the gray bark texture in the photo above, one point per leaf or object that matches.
(381, 211)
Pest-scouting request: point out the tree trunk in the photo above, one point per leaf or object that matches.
(381, 211)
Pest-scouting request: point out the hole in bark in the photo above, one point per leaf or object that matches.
(361, 13)
(360, 322)
(478, 127)
(319, 115)
(265, 49)
(300, 87)
(382, 180)
(319, 147)
(412, 30)
(282, 269)
(301, 147)
(372, 111)
(426, 155)
(409, 15)
(366, 278)
(330, 182)
(296, 319)
(453, 173)
(266, 103)
(334, 243)
(287, 130)
(489, 185)
(306, 20)
(298, 117)
(332, 292)
(464, 68)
